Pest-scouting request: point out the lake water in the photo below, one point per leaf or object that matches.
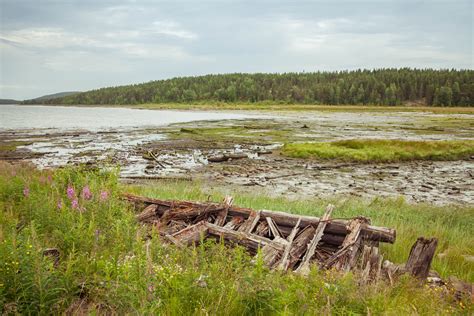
(19, 117)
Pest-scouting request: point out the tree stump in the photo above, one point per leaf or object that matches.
(421, 255)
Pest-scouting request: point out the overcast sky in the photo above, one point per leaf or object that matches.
(53, 46)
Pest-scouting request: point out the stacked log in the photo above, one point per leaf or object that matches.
(286, 241)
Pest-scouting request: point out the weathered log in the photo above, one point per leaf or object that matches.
(250, 241)
(148, 213)
(300, 244)
(272, 252)
(226, 157)
(421, 255)
(371, 264)
(353, 243)
(304, 267)
(191, 234)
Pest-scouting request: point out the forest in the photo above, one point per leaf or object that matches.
(405, 86)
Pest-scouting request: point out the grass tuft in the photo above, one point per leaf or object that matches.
(377, 150)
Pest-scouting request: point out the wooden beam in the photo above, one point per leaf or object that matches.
(304, 267)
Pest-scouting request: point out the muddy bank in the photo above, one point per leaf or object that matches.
(245, 154)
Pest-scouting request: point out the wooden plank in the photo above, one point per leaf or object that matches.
(284, 262)
(273, 228)
(300, 245)
(250, 223)
(304, 267)
(222, 215)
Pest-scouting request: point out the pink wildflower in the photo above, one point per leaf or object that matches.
(70, 192)
(26, 191)
(50, 178)
(75, 204)
(86, 193)
(60, 204)
(104, 195)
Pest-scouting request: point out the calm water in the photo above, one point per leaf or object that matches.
(96, 118)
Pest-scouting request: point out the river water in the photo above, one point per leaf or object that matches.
(97, 118)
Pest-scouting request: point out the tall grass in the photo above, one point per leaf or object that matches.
(377, 150)
(110, 264)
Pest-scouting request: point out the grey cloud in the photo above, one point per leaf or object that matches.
(50, 46)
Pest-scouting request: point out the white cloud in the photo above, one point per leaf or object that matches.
(173, 29)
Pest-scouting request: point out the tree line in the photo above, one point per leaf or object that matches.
(365, 87)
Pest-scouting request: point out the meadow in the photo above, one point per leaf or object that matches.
(110, 264)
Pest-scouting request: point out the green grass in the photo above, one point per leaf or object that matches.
(107, 267)
(11, 145)
(376, 150)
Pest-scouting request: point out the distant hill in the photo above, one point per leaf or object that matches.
(9, 101)
(369, 87)
(57, 95)
(46, 98)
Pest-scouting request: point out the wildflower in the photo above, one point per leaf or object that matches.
(97, 234)
(60, 204)
(75, 204)
(50, 178)
(104, 195)
(26, 191)
(86, 193)
(70, 192)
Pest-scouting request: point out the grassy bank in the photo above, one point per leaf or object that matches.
(303, 107)
(376, 150)
(107, 266)
(273, 107)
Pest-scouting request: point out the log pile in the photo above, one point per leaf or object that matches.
(286, 241)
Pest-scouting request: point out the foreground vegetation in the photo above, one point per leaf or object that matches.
(377, 150)
(360, 87)
(107, 265)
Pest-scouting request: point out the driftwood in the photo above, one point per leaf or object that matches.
(285, 241)
(226, 157)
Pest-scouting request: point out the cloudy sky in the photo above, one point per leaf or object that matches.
(53, 46)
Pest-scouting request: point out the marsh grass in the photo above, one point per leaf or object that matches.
(377, 150)
(109, 264)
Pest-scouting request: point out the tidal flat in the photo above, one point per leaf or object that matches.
(243, 150)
